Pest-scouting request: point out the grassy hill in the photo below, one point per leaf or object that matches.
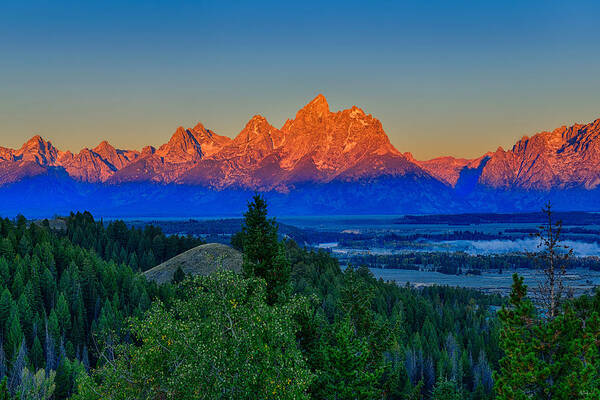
(201, 260)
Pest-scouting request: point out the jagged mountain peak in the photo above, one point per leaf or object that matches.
(355, 112)
(148, 151)
(210, 142)
(38, 150)
(199, 127)
(104, 147)
(316, 107)
(320, 146)
(36, 142)
(258, 137)
(183, 147)
(257, 125)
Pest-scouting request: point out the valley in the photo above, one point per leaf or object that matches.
(479, 251)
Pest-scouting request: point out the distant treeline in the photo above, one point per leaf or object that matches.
(460, 262)
(574, 230)
(220, 229)
(567, 217)
(395, 239)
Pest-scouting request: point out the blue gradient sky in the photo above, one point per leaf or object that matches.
(457, 78)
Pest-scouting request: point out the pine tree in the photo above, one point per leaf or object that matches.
(26, 317)
(14, 334)
(4, 269)
(279, 277)
(3, 361)
(264, 257)
(63, 314)
(63, 380)
(349, 372)
(4, 393)
(50, 351)
(24, 245)
(6, 249)
(546, 358)
(516, 379)
(6, 304)
(178, 276)
(19, 364)
(53, 325)
(445, 390)
(36, 355)
(356, 297)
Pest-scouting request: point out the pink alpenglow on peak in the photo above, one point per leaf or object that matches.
(316, 146)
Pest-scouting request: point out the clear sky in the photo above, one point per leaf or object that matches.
(444, 77)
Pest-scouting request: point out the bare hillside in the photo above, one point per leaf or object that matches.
(201, 260)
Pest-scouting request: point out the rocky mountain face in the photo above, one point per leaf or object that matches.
(566, 158)
(323, 153)
(316, 146)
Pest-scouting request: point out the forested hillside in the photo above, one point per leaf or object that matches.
(65, 293)
(79, 321)
(355, 336)
(140, 248)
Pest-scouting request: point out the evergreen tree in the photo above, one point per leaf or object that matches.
(3, 362)
(264, 257)
(178, 276)
(26, 316)
(547, 358)
(18, 365)
(446, 390)
(38, 386)
(53, 326)
(6, 304)
(36, 354)
(4, 268)
(50, 351)
(63, 379)
(4, 393)
(63, 314)
(349, 373)
(14, 335)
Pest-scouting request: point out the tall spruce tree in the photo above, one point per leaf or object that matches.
(264, 256)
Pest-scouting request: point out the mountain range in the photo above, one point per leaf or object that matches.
(318, 162)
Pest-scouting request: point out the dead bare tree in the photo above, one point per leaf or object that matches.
(552, 256)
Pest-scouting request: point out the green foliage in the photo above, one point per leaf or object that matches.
(349, 371)
(4, 394)
(547, 358)
(52, 293)
(36, 354)
(446, 390)
(295, 326)
(264, 256)
(178, 276)
(221, 340)
(141, 249)
(410, 336)
(38, 386)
